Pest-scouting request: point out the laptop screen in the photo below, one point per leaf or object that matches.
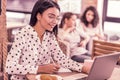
(103, 66)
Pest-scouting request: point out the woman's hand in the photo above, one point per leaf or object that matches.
(82, 43)
(100, 36)
(48, 68)
(87, 66)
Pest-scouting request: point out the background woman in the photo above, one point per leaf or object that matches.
(77, 40)
(90, 24)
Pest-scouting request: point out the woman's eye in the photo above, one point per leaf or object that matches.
(51, 17)
(54, 18)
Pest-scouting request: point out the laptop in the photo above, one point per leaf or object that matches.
(101, 69)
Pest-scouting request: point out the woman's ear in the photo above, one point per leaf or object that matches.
(38, 16)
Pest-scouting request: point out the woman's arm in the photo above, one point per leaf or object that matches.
(48, 68)
(61, 59)
(13, 65)
(84, 38)
(100, 34)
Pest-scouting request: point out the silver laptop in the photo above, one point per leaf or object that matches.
(102, 67)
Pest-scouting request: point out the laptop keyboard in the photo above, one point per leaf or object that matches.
(84, 78)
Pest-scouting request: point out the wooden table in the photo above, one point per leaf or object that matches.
(116, 74)
(67, 75)
(70, 75)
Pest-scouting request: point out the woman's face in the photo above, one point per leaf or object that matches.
(49, 19)
(89, 16)
(72, 21)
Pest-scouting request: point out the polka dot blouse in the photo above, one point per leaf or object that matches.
(27, 53)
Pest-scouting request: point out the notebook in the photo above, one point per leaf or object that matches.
(101, 69)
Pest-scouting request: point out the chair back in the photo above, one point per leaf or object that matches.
(103, 47)
(64, 47)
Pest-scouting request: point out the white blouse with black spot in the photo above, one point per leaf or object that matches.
(27, 53)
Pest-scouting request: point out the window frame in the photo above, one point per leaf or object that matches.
(108, 18)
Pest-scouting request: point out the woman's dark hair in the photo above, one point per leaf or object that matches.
(95, 21)
(66, 15)
(41, 6)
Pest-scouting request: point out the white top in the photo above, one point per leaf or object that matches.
(27, 53)
(91, 32)
(74, 39)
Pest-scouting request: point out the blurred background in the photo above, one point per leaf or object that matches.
(18, 13)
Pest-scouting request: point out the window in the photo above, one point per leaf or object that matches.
(111, 16)
(112, 10)
(70, 5)
(23, 6)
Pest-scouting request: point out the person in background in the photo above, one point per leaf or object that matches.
(91, 26)
(35, 46)
(67, 22)
(77, 40)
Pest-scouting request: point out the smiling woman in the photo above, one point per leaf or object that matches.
(36, 44)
